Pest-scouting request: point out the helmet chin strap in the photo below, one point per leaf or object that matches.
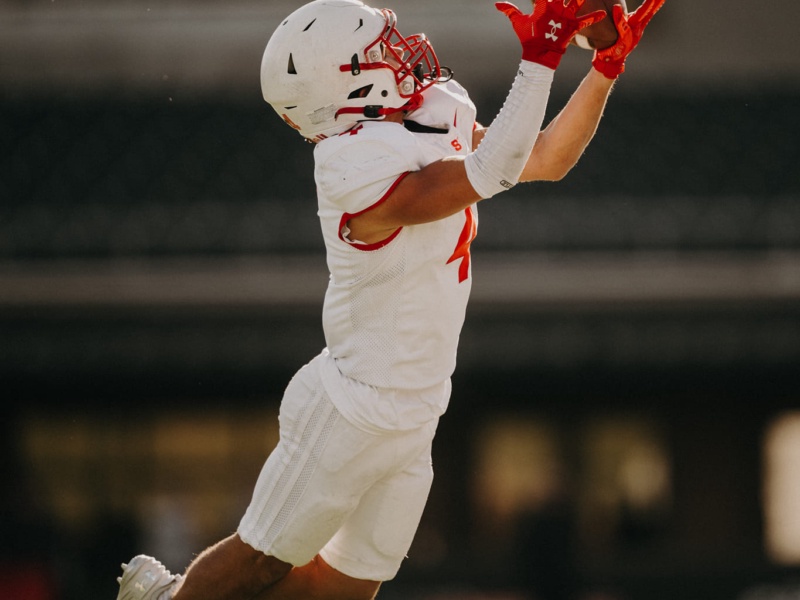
(376, 111)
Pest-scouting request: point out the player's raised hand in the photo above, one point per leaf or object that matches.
(611, 61)
(546, 32)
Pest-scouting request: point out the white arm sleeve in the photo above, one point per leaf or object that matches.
(498, 162)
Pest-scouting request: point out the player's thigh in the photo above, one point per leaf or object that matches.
(315, 477)
(376, 537)
(272, 522)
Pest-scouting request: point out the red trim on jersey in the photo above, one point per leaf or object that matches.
(375, 245)
(462, 249)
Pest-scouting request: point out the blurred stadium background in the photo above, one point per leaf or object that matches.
(625, 422)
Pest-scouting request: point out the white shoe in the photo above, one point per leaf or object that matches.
(144, 578)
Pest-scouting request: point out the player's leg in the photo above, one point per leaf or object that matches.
(375, 540)
(320, 581)
(296, 507)
(310, 486)
(233, 569)
(323, 471)
(228, 570)
(372, 543)
(239, 567)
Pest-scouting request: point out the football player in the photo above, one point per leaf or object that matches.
(400, 166)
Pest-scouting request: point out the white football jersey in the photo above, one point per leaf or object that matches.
(393, 310)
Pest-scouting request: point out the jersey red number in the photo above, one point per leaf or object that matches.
(462, 249)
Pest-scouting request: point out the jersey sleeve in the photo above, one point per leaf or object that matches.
(355, 171)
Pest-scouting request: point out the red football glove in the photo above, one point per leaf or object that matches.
(546, 32)
(611, 61)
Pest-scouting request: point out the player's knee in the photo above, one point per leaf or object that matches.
(262, 570)
(330, 584)
(269, 569)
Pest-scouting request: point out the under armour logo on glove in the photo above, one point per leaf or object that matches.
(557, 19)
(554, 27)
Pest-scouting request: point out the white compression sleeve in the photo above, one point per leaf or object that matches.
(498, 162)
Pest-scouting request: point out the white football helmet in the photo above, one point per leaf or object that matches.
(332, 63)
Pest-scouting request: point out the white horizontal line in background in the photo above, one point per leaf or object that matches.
(525, 281)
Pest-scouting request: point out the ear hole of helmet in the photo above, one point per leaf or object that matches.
(361, 92)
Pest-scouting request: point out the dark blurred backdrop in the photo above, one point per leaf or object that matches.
(625, 420)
